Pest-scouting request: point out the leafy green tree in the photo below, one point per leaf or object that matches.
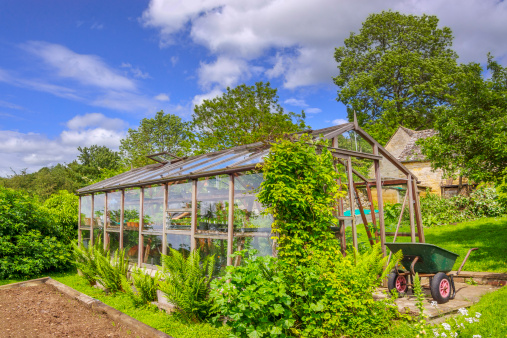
(395, 71)
(242, 115)
(164, 132)
(473, 129)
(62, 209)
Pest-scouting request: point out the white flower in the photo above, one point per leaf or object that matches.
(435, 333)
(469, 319)
(477, 336)
(434, 304)
(478, 315)
(443, 335)
(475, 320)
(463, 311)
(455, 334)
(446, 326)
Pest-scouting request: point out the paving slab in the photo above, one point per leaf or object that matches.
(466, 295)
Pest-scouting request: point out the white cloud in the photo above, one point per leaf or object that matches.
(35, 150)
(97, 26)
(313, 110)
(296, 102)
(96, 120)
(86, 69)
(162, 97)
(198, 99)
(339, 121)
(225, 72)
(303, 34)
(136, 72)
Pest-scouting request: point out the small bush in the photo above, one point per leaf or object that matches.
(111, 271)
(145, 285)
(253, 298)
(187, 283)
(30, 243)
(85, 260)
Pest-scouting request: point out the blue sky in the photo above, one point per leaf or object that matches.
(77, 73)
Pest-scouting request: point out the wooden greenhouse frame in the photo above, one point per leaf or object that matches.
(194, 176)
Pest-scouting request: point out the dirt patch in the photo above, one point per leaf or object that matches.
(42, 311)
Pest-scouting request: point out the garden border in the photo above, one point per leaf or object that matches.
(93, 304)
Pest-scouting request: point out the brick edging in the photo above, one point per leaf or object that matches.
(481, 278)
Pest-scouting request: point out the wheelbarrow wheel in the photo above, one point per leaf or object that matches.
(441, 288)
(397, 282)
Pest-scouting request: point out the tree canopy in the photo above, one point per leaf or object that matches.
(395, 71)
(164, 132)
(242, 115)
(473, 128)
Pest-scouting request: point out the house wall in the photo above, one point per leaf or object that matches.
(426, 175)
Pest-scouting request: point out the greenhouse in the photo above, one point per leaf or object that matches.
(209, 201)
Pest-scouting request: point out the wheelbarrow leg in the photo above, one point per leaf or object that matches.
(453, 288)
(464, 261)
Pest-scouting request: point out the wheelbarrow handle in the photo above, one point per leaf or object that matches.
(413, 264)
(464, 261)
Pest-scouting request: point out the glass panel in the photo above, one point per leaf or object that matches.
(212, 204)
(263, 245)
(85, 238)
(247, 209)
(86, 211)
(179, 203)
(179, 242)
(353, 141)
(113, 210)
(205, 164)
(131, 223)
(228, 163)
(153, 217)
(99, 203)
(217, 247)
(152, 250)
(114, 241)
(186, 164)
(255, 159)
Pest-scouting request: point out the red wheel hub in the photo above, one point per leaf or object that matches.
(401, 283)
(445, 288)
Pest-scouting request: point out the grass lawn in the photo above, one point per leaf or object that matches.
(160, 320)
(487, 234)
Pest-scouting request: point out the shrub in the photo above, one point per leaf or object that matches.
(30, 243)
(187, 283)
(85, 260)
(63, 210)
(253, 298)
(145, 287)
(110, 271)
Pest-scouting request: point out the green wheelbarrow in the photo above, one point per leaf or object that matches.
(427, 260)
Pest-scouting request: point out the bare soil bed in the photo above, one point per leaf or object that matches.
(42, 311)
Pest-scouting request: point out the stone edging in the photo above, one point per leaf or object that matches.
(481, 278)
(94, 304)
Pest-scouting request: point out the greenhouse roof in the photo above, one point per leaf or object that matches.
(236, 159)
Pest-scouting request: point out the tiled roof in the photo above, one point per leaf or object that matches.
(412, 152)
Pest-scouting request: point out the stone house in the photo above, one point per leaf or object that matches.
(403, 146)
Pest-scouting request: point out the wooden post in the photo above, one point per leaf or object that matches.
(372, 209)
(105, 237)
(140, 244)
(411, 207)
(418, 218)
(79, 236)
(164, 221)
(230, 223)
(122, 212)
(351, 202)
(193, 224)
(93, 219)
(363, 216)
(378, 184)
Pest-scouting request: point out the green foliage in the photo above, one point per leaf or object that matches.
(396, 70)
(242, 115)
(331, 295)
(473, 128)
(254, 298)
(145, 287)
(420, 325)
(85, 260)
(29, 241)
(110, 271)
(187, 283)
(94, 160)
(164, 132)
(63, 209)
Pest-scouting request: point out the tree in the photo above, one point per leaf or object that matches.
(395, 71)
(473, 129)
(242, 115)
(164, 132)
(94, 160)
